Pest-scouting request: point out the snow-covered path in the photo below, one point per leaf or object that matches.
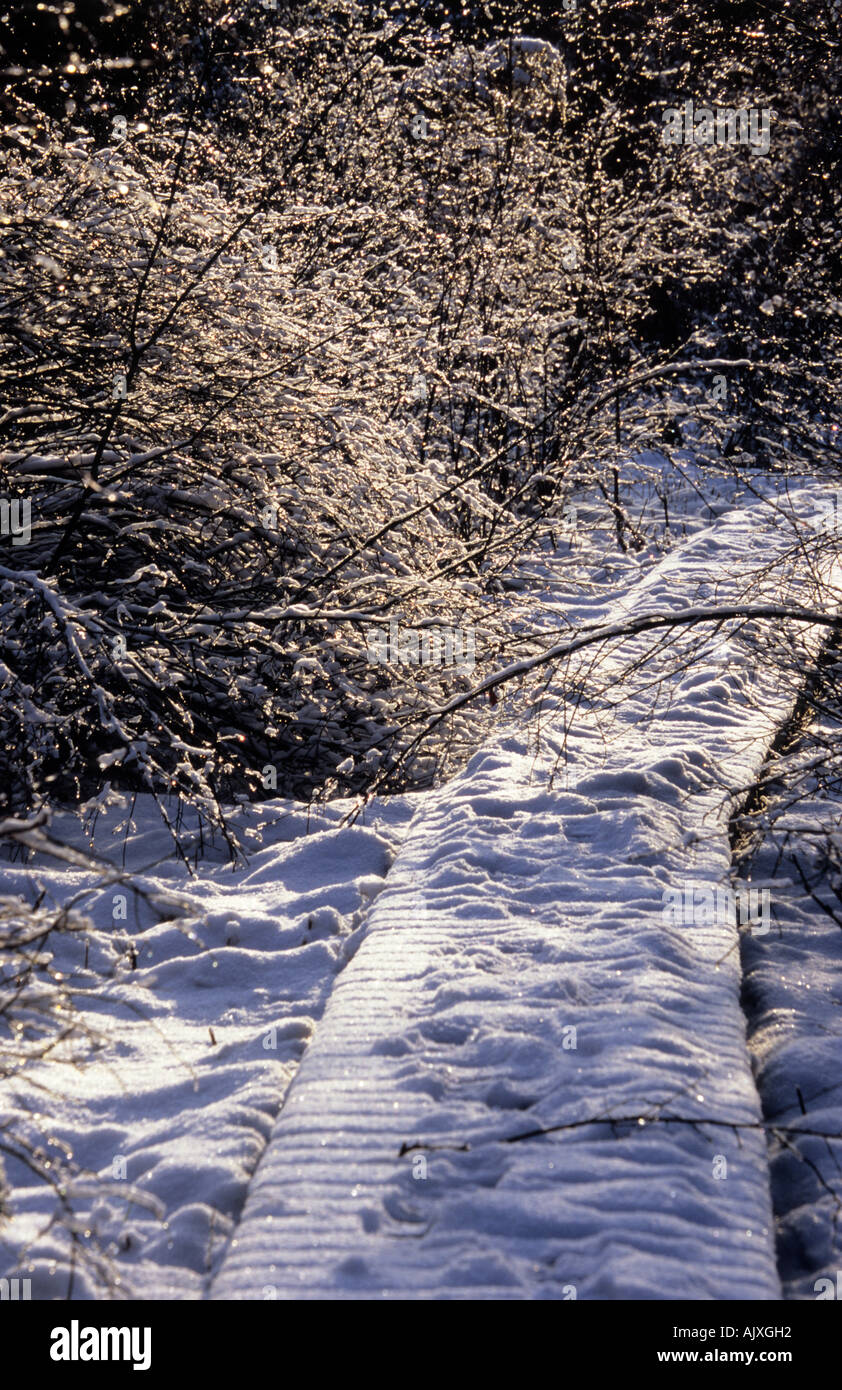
(519, 970)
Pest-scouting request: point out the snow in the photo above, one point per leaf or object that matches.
(792, 997)
(322, 1076)
(519, 909)
(198, 1042)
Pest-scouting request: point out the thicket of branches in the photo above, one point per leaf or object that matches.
(309, 317)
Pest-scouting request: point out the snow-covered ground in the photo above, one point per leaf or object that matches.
(201, 1023)
(326, 1077)
(793, 1002)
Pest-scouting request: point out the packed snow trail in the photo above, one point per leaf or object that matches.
(519, 971)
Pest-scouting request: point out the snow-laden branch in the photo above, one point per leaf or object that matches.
(638, 1122)
(599, 633)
